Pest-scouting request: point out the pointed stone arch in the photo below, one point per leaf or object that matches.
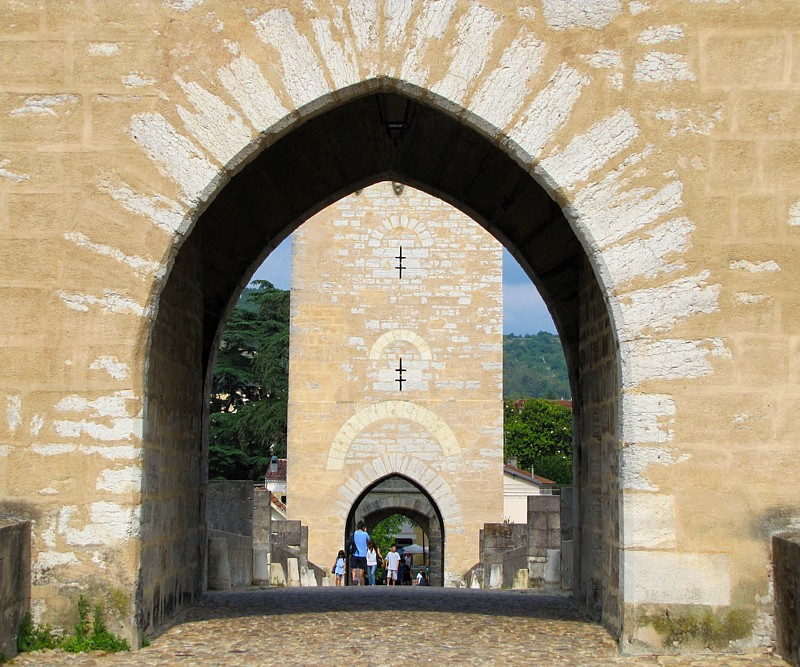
(568, 137)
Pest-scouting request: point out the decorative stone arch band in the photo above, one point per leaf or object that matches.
(372, 414)
(403, 222)
(400, 335)
(428, 479)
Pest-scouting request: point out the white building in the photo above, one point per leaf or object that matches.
(518, 484)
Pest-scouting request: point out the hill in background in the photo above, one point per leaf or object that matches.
(534, 366)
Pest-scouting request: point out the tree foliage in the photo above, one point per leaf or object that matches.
(538, 434)
(383, 534)
(250, 385)
(534, 366)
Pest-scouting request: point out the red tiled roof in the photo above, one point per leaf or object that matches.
(513, 470)
(277, 502)
(280, 474)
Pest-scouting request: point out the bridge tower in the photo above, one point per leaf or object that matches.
(396, 365)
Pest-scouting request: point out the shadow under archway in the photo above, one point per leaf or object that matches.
(339, 150)
(398, 494)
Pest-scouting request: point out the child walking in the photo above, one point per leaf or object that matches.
(338, 568)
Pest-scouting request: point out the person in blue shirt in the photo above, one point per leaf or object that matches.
(359, 559)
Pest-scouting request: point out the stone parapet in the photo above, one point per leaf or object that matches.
(786, 582)
(15, 581)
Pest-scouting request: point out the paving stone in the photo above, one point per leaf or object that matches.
(381, 626)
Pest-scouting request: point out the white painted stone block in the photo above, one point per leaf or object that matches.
(565, 14)
(647, 418)
(635, 460)
(292, 572)
(307, 577)
(521, 578)
(277, 577)
(260, 565)
(496, 576)
(552, 566)
(665, 577)
(648, 520)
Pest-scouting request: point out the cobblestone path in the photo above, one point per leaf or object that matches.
(382, 626)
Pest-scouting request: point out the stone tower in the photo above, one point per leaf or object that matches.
(390, 278)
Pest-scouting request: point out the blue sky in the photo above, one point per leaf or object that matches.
(524, 311)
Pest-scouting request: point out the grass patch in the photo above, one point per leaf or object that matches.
(91, 634)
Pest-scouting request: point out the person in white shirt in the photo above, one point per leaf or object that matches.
(373, 553)
(392, 561)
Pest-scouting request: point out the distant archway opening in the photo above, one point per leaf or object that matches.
(397, 494)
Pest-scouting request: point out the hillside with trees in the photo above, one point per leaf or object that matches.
(534, 365)
(538, 434)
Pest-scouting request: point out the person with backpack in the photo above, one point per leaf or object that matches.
(358, 561)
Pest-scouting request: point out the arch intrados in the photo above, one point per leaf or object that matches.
(341, 147)
(371, 487)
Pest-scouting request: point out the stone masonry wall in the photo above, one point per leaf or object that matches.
(666, 133)
(353, 319)
(173, 533)
(229, 506)
(786, 579)
(596, 456)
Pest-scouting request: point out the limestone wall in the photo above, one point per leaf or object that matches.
(786, 577)
(230, 506)
(353, 318)
(173, 455)
(596, 454)
(658, 141)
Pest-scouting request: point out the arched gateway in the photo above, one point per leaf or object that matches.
(396, 494)
(647, 184)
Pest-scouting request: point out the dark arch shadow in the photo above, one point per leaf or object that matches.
(343, 148)
(423, 511)
(347, 148)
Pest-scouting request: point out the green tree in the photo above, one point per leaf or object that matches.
(383, 534)
(250, 385)
(538, 433)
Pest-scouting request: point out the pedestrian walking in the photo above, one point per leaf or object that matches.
(338, 567)
(373, 555)
(359, 560)
(392, 562)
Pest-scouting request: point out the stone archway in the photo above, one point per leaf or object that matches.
(397, 494)
(490, 186)
(600, 145)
